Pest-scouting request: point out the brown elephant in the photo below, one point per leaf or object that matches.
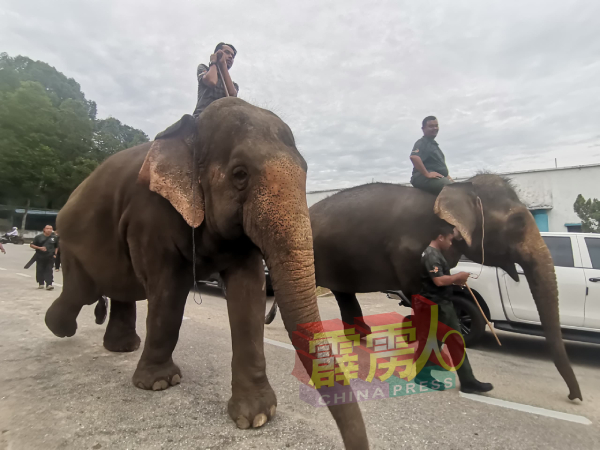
(370, 238)
(230, 184)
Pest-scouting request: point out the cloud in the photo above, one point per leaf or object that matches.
(514, 84)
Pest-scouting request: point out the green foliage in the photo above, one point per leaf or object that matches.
(50, 139)
(589, 213)
(111, 136)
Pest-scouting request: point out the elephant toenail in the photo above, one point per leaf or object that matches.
(272, 411)
(259, 421)
(141, 385)
(243, 423)
(160, 385)
(175, 380)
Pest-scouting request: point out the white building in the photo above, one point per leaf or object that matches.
(548, 193)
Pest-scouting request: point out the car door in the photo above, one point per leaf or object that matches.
(590, 257)
(571, 284)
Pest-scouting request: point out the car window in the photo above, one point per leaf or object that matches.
(560, 249)
(593, 245)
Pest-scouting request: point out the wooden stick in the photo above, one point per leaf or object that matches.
(482, 313)
(223, 80)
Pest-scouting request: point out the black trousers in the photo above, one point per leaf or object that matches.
(43, 270)
(57, 261)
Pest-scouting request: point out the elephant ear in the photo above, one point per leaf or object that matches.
(169, 171)
(457, 205)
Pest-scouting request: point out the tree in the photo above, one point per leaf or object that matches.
(111, 136)
(50, 139)
(589, 213)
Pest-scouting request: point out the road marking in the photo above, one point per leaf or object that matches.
(280, 344)
(493, 401)
(58, 284)
(186, 318)
(2, 268)
(23, 275)
(528, 408)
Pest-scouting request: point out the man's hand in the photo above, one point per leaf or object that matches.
(461, 278)
(213, 58)
(221, 57)
(434, 175)
(44, 249)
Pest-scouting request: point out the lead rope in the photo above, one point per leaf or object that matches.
(195, 288)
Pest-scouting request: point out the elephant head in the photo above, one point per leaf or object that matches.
(487, 211)
(235, 172)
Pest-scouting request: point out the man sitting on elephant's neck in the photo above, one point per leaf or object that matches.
(430, 172)
(214, 81)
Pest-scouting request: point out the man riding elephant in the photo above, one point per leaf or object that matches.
(222, 191)
(370, 238)
(430, 172)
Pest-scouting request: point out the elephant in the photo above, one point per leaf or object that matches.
(217, 193)
(370, 238)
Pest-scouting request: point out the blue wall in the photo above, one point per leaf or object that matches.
(541, 218)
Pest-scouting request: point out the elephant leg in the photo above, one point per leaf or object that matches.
(167, 292)
(120, 335)
(253, 401)
(349, 306)
(78, 290)
(407, 264)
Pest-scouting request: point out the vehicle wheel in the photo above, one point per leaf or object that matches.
(472, 323)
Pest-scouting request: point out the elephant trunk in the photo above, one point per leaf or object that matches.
(537, 263)
(278, 223)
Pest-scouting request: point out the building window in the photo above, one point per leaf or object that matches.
(573, 227)
(541, 219)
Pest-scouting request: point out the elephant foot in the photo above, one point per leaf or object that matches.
(124, 342)
(157, 377)
(252, 408)
(60, 322)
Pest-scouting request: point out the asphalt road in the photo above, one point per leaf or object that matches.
(73, 394)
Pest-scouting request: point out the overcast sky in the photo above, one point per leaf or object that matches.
(514, 83)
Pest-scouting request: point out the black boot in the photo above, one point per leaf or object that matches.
(475, 387)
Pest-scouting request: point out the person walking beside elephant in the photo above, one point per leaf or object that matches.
(214, 81)
(430, 172)
(45, 249)
(437, 286)
(57, 252)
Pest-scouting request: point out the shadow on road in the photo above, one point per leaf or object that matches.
(535, 347)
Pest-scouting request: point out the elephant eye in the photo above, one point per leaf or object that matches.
(240, 178)
(240, 173)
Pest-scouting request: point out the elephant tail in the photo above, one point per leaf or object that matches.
(101, 310)
(272, 313)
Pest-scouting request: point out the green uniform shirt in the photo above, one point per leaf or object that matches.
(434, 265)
(49, 242)
(433, 159)
(207, 95)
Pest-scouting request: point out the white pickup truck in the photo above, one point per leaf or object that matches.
(510, 306)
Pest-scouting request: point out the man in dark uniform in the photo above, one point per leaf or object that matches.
(437, 287)
(45, 249)
(214, 78)
(430, 172)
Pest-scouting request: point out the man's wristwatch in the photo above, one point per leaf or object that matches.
(212, 63)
